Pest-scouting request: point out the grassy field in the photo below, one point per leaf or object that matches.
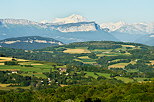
(121, 65)
(104, 74)
(91, 74)
(133, 70)
(98, 74)
(125, 80)
(85, 60)
(140, 79)
(37, 69)
(12, 88)
(118, 65)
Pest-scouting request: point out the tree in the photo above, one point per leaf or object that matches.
(11, 63)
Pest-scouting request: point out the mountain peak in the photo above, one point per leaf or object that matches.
(71, 19)
(113, 26)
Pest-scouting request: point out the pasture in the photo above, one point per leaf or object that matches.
(36, 68)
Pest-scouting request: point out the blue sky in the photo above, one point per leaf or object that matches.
(96, 10)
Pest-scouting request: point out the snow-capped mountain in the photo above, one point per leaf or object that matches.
(29, 42)
(113, 26)
(73, 23)
(67, 33)
(71, 19)
(135, 28)
(76, 27)
(17, 21)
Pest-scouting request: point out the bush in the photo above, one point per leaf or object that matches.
(11, 63)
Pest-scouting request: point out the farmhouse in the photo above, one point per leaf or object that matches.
(62, 69)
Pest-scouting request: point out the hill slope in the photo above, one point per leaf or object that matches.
(29, 42)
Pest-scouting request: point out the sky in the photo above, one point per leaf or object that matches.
(101, 11)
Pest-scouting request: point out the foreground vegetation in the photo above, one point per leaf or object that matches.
(86, 71)
(105, 91)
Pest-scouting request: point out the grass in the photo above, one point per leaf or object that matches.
(98, 74)
(133, 70)
(124, 79)
(104, 74)
(121, 65)
(140, 79)
(37, 69)
(116, 60)
(13, 88)
(76, 51)
(91, 74)
(86, 61)
(118, 65)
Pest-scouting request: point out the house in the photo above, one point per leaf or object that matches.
(14, 72)
(62, 69)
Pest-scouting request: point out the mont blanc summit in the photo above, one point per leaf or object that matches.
(71, 19)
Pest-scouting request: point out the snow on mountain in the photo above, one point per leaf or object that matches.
(17, 21)
(73, 23)
(71, 19)
(113, 26)
(76, 27)
(135, 28)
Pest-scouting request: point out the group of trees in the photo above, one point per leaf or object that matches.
(7, 77)
(100, 91)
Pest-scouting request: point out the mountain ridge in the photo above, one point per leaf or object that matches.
(29, 42)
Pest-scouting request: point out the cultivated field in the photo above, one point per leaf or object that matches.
(36, 68)
(76, 51)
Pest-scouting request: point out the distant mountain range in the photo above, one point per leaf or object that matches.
(137, 32)
(135, 28)
(74, 31)
(29, 42)
(76, 28)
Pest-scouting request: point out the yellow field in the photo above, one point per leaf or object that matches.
(22, 60)
(152, 62)
(29, 63)
(133, 62)
(128, 46)
(84, 57)
(77, 51)
(100, 55)
(6, 58)
(4, 85)
(1, 63)
(3, 59)
(9, 69)
(118, 65)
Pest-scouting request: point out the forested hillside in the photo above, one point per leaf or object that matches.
(84, 71)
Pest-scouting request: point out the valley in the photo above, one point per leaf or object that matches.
(81, 64)
(76, 51)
